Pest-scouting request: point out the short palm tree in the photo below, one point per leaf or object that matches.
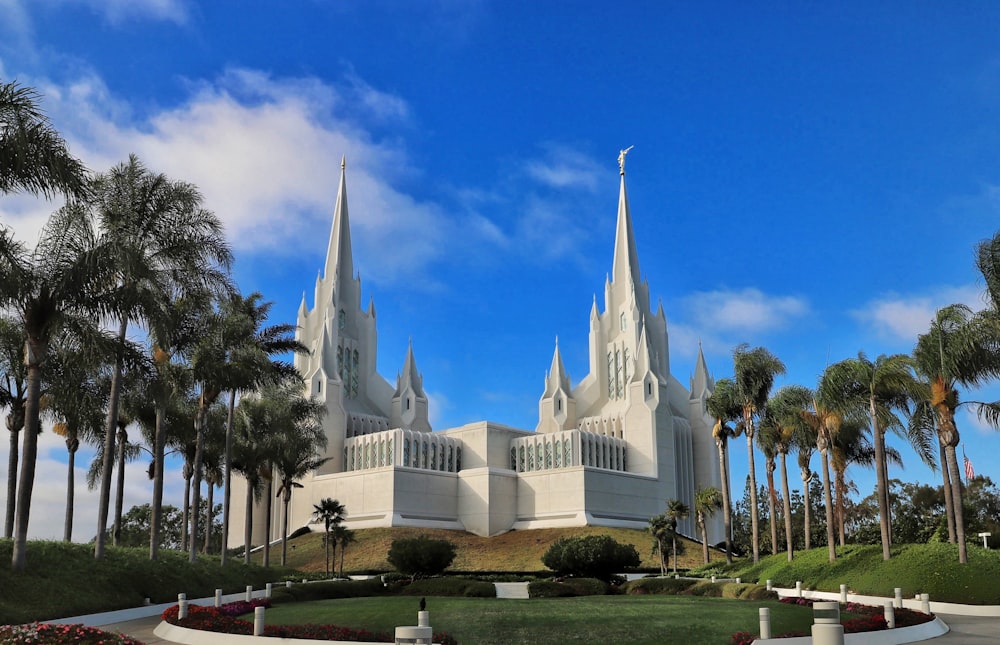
(706, 502)
(343, 536)
(724, 408)
(33, 155)
(958, 350)
(754, 371)
(331, 513)
(659, 529)
(677, 511)
(783, 420)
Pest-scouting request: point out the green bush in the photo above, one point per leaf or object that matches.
(758, 592)
(549, 589)
(659, 586)
(328, 590)
(705, 588)
(587, 586)
(421, 556)
(592, 556)
(462, 587)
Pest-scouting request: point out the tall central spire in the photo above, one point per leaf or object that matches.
(339, 260)
(626, 263)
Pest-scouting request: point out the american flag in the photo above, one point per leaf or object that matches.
(970, 472)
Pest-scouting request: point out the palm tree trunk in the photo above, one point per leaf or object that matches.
(727, 518)
(110, 424)
(807, 519)
(887, 492)
(881, 484)
(199, 459)
(34, 354)
(116, 526)
(825, 459)
(754, 530)
(208, 518)
(787, 507)
(248, 524)
(268, 510)
(772, 502)
(8, 527)
(71, 446)
(673, 542)
(227, 484)
(948, 499)
(186, 510)
(156, 512)
(704, 540)
(343, 547)
(286, 498)
(326, 544)
(956, 497)
(841, 506)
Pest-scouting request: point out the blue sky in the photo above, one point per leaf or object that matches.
(810, 178)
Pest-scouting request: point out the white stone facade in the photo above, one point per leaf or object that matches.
(609, 451)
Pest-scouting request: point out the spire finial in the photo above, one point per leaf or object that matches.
(621, 159)
(343, 162)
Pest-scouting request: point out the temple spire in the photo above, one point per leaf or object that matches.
(625, 270)
(702, 382)
(557, 377)
(339, 260)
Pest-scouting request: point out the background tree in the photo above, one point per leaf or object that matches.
(421, 556)
(591, 556)
(343, 536)
(659, 528)
(783, 421)
(677, 511)
(13, 395)
(754, 371)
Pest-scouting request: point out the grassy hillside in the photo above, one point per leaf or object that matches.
(916, 568)
(512, 551)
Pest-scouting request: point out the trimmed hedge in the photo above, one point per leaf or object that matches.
(660, 586)
(328, 590)
(549, 589)
(706, 588)
(587, 586)
(747, 591)
(462, 587)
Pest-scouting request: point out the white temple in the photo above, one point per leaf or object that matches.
(608, 451)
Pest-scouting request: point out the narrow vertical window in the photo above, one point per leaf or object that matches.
(611, 375)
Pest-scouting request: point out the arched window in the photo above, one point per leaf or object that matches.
(340, 362)
(388, 451)
(434, 454)
(520, 459)
(557, 454)
(567, 452)
(513, 458)
(611, 375)
(354, 375)
(531, 458)
(618, 373)
(548, 455)
(341, 319)
(627, 365)
(423, 453)
(406, 452)
(458, 459)
(451, 459)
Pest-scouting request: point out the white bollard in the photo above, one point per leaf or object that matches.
(218, 598)
(288, 584)
(798, 588)
(899, 597)
(182, 605)
(769, 584)
(925, 603)
(423, 619)
(249, 594)
(843, 594)
(826, 629)
(765, 622)
(304, 581)
(258, 621)
(267, 592)
(739, 580)
(713, 578)
(890, 615)
(677, 576)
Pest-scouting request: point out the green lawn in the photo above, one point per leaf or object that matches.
(592, 619)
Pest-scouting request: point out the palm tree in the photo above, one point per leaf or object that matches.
(251, 457)
(783, 421)
(824, 424)
(53, 288)
(881, 387)
(659, 529)
(295, 455)
(767, 441)
(164, 243)
(343, 536)
(805, 443)
(676, 512)
(251, 365)
(706, 502)
(957, 350)
(331, 513)
(754, 373)
(13, 392)
(75, 399)
(724, 408)
(33, 155)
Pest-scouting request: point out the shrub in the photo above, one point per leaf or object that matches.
(662, 586)
(328, 590)
(705, 588)
(450, 587)
(47, 634)
(592, 556)
(587, 586)
(421, 556)
(549, 589)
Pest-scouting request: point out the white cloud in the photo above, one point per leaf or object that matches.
(906, 317)
(564, 167)
(120, 11)
(746, 311)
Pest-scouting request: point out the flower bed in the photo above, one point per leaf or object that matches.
(868, 618)
(47, 634)
(224, 620)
